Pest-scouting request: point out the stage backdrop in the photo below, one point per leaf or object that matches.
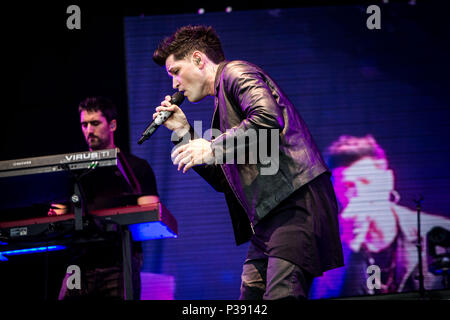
(344, 79)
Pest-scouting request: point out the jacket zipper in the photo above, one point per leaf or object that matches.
(251, 226)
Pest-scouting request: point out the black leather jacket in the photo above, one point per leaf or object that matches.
(247, 98)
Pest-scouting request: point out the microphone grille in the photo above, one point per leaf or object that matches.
(177, 98)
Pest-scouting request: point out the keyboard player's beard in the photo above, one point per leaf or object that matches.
(96, 143)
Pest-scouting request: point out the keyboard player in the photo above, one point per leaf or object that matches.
(101, 263)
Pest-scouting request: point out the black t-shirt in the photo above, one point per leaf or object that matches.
(106, 187)
(290, 230)
(144, 174)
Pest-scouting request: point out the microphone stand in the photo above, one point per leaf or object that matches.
(419, 249)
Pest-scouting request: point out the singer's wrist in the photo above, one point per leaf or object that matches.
(183, 131)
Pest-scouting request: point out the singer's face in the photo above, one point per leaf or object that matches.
(99, 134)
(187, 78)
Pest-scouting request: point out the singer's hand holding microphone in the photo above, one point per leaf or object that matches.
(197, 151)
(176, 122)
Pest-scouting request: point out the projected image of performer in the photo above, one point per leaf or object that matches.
(375, 229)
(101, 264)
(289, 215)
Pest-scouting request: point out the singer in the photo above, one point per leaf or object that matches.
(289, 217)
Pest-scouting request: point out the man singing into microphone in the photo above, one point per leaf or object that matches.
(290, 215)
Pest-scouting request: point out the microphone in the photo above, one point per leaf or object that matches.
(177, 98)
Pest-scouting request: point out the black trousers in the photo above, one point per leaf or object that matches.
(274, 279)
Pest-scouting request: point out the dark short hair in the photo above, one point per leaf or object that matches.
(103, 104)
(348, 149)
(186, 40)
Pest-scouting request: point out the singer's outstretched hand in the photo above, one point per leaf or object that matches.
(197, 151)
(177, 122)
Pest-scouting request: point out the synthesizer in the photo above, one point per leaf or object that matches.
(59, 162)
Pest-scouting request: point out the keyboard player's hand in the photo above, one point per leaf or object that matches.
(57, 209)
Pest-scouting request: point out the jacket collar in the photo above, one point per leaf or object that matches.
(218, 73)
